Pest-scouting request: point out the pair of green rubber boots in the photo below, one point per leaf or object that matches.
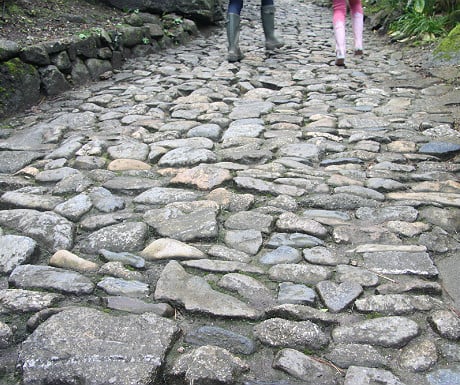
(233, 32)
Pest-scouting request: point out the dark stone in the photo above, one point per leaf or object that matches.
(35, 54)
(53, 81)
(20, 86)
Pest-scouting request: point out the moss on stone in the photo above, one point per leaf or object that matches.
(450, 46)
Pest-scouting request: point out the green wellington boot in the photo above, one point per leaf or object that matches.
(268, 23)
(233, 36)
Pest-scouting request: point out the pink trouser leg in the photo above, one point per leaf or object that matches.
(357, 23)
(338, 21)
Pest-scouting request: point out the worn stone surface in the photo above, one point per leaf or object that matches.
(97, 347)
(284, 209)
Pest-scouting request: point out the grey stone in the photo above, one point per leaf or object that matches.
(47, 228)
(32, 201)
(322, 256)
(299, 273)
(338, 296)
(25, 301)
(244, 220)
(184, 223)
(444, 376)
(385, 331)
(361, 276)
(123, 237)
(400, 263)
(282, 254)
(296, 294)
(124, 257)
(357, 375)
(277, 332)
(247, 241)
(396, 304)
(14, 251)
(419, 356)
(93, 346)
(50, 278)
(138, 306)
(13, 161)
(196, 295)
(207, 364)
(222, 266)
(74, 208)
(440, 148)
(226, 339)
(346, 355)
(446, 323)
(122, 287)
(296, 240)
(53, 80)
(251, 289)
(165, 195)
(6, 336)
(305, 368)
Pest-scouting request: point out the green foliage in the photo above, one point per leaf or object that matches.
(417, 21)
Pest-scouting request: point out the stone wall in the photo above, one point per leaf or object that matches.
(30, 73)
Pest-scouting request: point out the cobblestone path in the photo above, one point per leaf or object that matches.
(275, 221)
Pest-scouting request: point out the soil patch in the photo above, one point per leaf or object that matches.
(33, 21)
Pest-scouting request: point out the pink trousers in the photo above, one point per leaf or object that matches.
(338, 21)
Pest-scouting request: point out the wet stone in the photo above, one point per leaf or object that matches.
(346, 355)
(226, 339)
(305, 368)
(279, 332)
(15, 250)
(282, 254)
(385, 331)
(291, 293)
(50, 278)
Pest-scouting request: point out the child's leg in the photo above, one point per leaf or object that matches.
(338, 21)
(357, 17)
(235, 6)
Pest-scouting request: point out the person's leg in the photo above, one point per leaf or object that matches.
(357, 19)
(267, 12)
(339, 8)
(235, 6)
(233, 30)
